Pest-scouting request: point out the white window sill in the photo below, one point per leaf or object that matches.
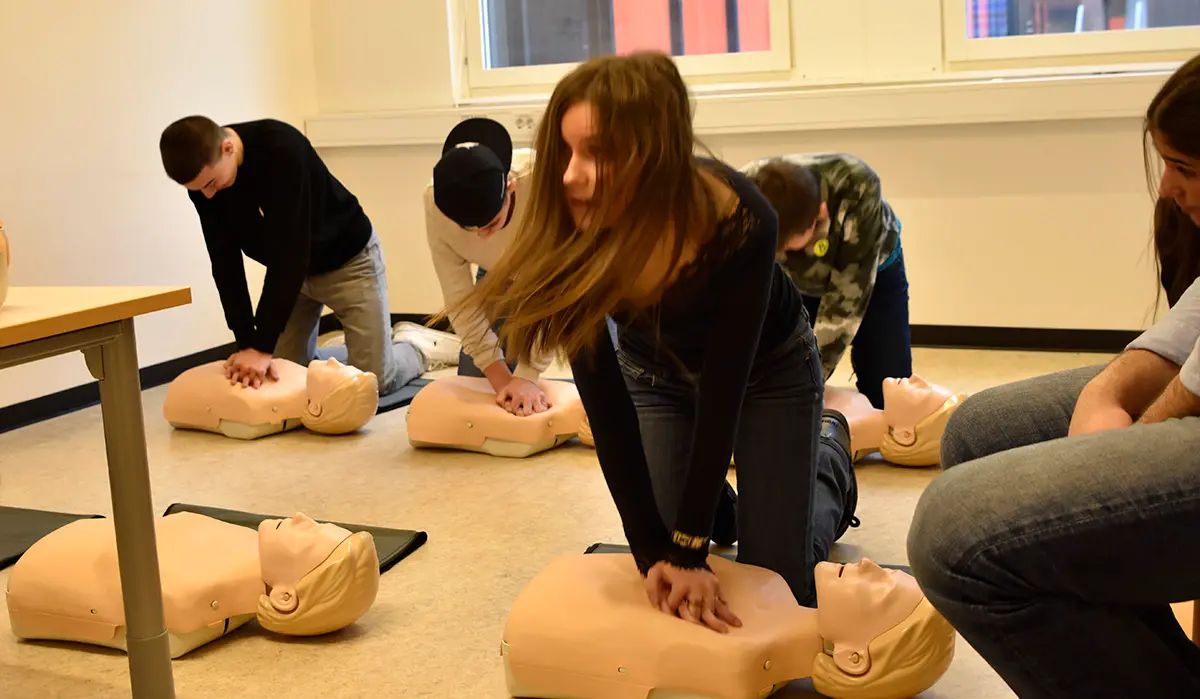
(1034, 95)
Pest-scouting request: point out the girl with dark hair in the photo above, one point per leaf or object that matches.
(1067, 522)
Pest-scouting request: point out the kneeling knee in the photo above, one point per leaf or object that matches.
(940, 535)
(968, 421)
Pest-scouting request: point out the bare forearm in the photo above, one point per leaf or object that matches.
(1132, 382)
(1175, 401)
(498, 375)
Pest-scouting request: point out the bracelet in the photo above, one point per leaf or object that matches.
(688, 541)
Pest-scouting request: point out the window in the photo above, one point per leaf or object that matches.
(533, 43)
(1008, 29)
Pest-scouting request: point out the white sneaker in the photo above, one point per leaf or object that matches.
(440, 348)
(335, 338)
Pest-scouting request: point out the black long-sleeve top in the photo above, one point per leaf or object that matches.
(284, 210)
(733, 303)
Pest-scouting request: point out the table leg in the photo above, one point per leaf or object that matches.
(114, 364)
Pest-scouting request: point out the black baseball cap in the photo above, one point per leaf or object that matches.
(470, 182)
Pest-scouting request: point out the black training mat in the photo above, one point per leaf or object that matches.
(403, 397)
(392, 545)
(399, 399)
(729, 553)
(21, 528)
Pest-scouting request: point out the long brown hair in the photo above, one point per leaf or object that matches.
(555, 282)
(1174, 116)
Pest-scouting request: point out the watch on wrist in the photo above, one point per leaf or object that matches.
(688, 541)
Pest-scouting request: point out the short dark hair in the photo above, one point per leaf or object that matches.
(795, 193)
(189, 145)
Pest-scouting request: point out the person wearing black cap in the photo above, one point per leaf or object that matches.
(471, 208)
(260, 188)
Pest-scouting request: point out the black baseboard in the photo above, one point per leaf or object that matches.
(87, 395)
(942, 336)
(1032, 339)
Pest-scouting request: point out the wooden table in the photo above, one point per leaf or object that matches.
(41, 322)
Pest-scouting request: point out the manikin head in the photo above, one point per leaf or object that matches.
(881, 636)
(907, 402)
(319, 577)
(916, 413)
(341, 398)
(200, 154)
(795, 193)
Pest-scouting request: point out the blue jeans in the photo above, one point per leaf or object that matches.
(794, 488)
(882, 347)
(1056, 558)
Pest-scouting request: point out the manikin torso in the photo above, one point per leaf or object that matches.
(584, 629)
(460, 412)
(203, 399)
(67, 585)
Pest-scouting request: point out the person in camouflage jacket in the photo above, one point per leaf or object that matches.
(839, 240)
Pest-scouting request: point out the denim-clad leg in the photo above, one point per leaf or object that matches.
(1057, 558)
(793, 488)
(882, 347)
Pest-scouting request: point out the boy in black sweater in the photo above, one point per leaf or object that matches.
(260, 188)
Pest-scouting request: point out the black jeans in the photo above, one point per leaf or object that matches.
(882, 347)
(793, 488)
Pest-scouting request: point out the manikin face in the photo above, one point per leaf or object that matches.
(219, 174)
(326, 376)
(579, 179)
(1179, 182)
(908, 401)
(859, 601)
(290, 548)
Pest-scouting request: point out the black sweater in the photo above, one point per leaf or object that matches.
(285, 211)
(733, 303)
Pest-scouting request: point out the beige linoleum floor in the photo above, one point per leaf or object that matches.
(435, 628)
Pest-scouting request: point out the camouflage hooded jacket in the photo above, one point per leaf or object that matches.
(839, 264)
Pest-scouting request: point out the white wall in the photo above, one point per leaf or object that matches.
(1041, 224)
(87, 89)
(1038, 224)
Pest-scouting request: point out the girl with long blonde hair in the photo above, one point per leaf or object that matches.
(716, 356)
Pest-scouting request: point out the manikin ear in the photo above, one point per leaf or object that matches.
(850, 660)
(904, 436)
(283, 598)
(314, 408)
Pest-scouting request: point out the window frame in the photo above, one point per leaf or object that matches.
(543, 78)
(1113, 44)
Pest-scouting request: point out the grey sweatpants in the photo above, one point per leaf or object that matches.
(357, 295)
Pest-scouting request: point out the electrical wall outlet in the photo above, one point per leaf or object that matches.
(525, 123)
